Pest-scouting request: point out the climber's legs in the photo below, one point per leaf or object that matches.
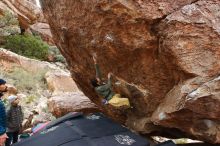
(118, 101)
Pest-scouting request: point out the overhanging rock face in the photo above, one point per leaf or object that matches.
(160, 51)
(28, 13)
(30, 17)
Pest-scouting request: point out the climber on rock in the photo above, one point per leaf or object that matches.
(104, 89)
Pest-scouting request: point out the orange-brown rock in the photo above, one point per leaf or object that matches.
(64, 103)
(32, 1)
(189, 38)
(30, 17)
(152, 47)
(59, 82)
(10, 60)
(63, 93)
(28, 13)
(8, 23)
(42, 29)
(4, 7)
(192, 106)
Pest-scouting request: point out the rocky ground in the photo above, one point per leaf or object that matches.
(46, 90)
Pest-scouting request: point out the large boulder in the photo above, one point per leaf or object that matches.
(62, 104)
(28, 13)
(30, 17)
(9, 60)
(195, 104)
(8, 23)
(189, 41)
(60, 82)
(4, 7)
(66, 97)
(154, 48)
(62, 91)
(42, 29)
(33, 1)
(27, 75)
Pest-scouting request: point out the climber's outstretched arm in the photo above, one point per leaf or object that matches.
(97, 69)
(109, 80)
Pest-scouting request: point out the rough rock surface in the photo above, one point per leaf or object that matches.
(10, 60)
(66, 97)
(155, 49)
(59, 82)
(8, 23)
(61, 89)
(195, 104)
(30, 17)
(62, 104)
(28, 13)
(42, 29)
(34, 103)
(190, 37)
(4, 7)
(32, 1)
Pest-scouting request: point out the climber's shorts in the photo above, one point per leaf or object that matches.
(118, 101)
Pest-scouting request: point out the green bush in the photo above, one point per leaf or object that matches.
(8, 19)
(60, 58)
(55, 52)
(27, 45)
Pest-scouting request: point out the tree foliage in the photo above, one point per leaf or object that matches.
(27, 45)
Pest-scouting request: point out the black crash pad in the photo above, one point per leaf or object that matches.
(78, 130)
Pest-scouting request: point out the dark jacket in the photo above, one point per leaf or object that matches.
(14, 118)
(105, 89)
(2, 118)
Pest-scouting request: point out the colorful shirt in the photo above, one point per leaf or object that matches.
(2, 118)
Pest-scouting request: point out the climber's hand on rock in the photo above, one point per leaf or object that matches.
(94, 57)
(109, 75)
